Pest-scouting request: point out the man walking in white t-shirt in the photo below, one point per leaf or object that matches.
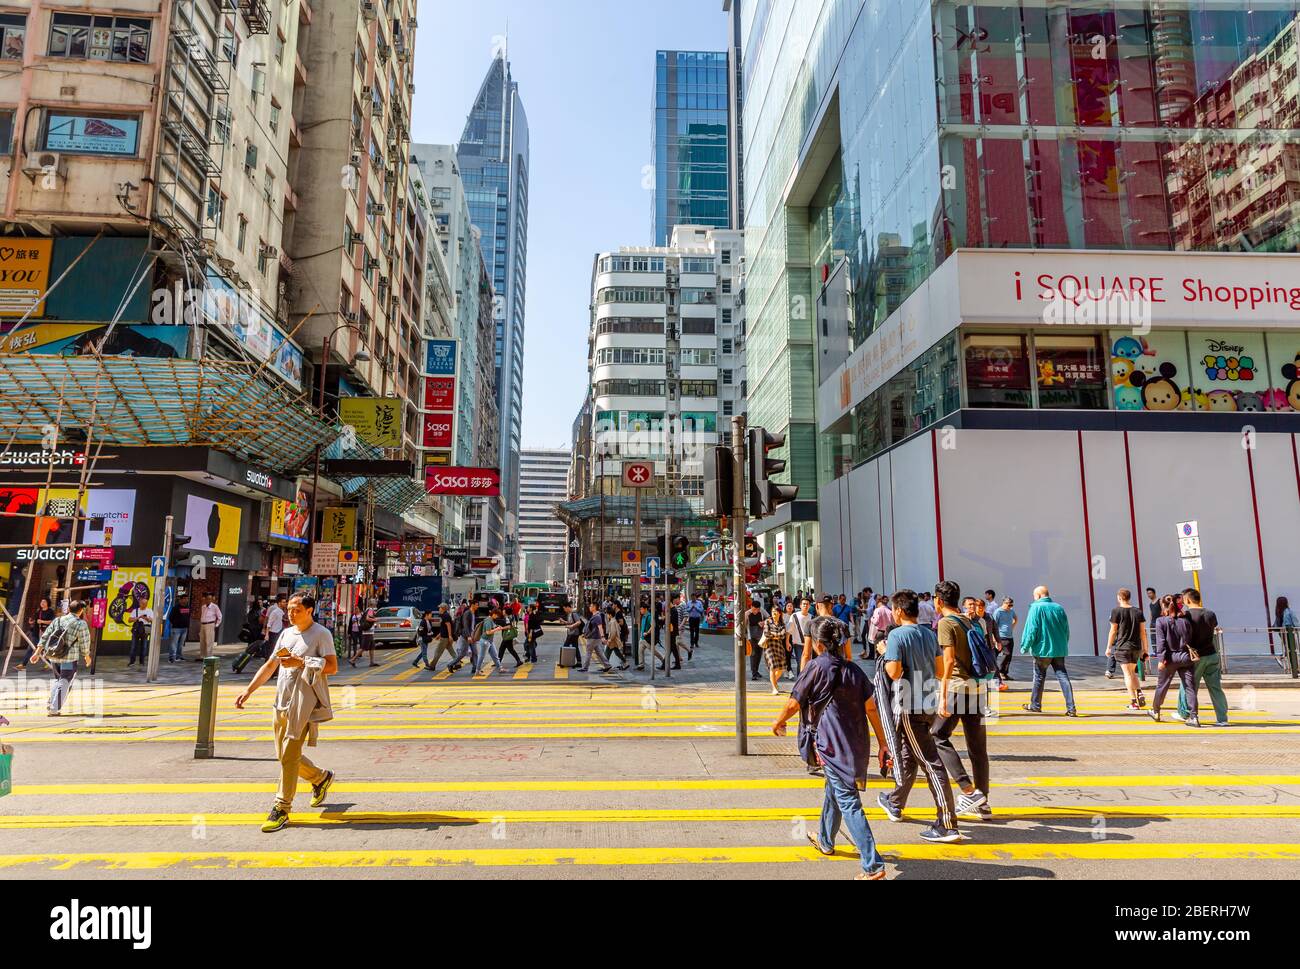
(305, 659)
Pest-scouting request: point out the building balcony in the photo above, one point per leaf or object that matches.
(304, 13)
(299, 71)
(295, 133)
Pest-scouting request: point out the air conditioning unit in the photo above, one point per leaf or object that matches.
(46, 163)
(351, 238)
(270, 252)
(350, 318)
(365, 92)
(368, 9)
(382, 284)
(377, 208)
(376, 110)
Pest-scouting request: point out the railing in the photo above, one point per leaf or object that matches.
(1280, 644)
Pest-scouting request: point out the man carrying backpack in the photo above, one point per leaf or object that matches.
(65, 643)
(967, 661)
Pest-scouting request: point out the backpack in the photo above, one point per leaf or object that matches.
(983, 661)
(57, 645)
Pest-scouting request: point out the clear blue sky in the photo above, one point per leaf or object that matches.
(586, 75)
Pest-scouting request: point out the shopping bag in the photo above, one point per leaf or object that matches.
(6, 770)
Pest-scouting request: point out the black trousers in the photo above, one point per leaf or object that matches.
(977, 744)
(1006, 649)
(139, 643)
(695, 632)
(917, 751)
(508, 646)
(755, 657)
(530, 648)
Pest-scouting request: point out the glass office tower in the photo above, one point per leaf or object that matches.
(493, 159)
(690, 141)
(923, 179)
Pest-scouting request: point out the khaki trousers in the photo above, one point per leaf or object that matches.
(293, 764)
(207, 639)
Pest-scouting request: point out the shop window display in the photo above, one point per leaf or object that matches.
(1229, 370)
(997, 371)
(1284, 372)
(1071, 372)
(1150, 372)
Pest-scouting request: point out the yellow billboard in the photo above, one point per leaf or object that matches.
(24, 275)
(377, 420)
(128, 590)
(339, 525)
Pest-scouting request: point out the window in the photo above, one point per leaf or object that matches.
(726, 257)
(726, 346)
(250, 159)
(243, 233)
(726, 378)
(268, 184)
(699, 357)
(696, 265)
(13, 33)
(6, 132)
(345, 299)
(728, 408)
(631, 264)
(630, 294)
(279, 47)
(726, 287)
(122, 39)
(644, 356)
(698, 297)
(630, 388)
(262, 259)
(997, 371)
(275, 117)
(100, 134)
(259, 84)
(630, 324)
(230, 46)
(697, 327)
(699, 388)
(1071, 372)
(216, 207)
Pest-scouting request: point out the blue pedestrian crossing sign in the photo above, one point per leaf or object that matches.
(653, 567)
(157, 567)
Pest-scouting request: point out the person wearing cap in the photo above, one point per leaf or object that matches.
(835, 702)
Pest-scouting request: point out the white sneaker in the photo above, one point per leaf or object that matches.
(968, 805)
(1221, 723)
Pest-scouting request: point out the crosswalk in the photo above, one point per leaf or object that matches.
(556, 777)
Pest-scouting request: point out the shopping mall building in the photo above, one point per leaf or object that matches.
(1021, 279)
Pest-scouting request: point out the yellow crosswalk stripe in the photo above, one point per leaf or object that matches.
(524, 672)
(561, 672)
(561, 785)
(627, 856)
(626, 816)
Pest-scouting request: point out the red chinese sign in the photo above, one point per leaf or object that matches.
(479, 482)
(437, 430)
(440, 393)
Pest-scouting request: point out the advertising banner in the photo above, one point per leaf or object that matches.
(339, 526)
(440, 393)
(129, 589)
(480, 482)
(111, 511)
(82, 339)
(24, 275)
(437, 430)
(325, 558)
(378, 420)
(289, 520)
(440, 358)
(212, 525)
(440, 459)
(86, 134)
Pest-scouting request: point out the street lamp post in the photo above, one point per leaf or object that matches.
(361, 356)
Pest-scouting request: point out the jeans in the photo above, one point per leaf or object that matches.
(463, 647)
(1208, 668)
(1057, 663)
(844, 803)
(530, 648)
(423, 655)
(63, 674)
(177, 650)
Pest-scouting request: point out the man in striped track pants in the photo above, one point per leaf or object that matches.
(911, 662)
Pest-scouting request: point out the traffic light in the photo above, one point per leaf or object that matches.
(661, 549)
(681, 552)
(182, 559)
(718, 479)
(764, 495)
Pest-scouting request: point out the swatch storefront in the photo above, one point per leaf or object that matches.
(1048, 417)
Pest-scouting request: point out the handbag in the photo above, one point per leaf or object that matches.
(6, 770)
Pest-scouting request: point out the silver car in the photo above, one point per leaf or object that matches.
(397, 626)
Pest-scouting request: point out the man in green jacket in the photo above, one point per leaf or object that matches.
(1047, 639)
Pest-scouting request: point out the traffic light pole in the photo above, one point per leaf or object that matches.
(668, 599)
(159, 597)
(738, 530)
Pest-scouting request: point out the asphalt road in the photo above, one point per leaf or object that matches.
(561, 774)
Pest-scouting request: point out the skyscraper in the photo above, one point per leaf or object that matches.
(690, 141)
(493, 158)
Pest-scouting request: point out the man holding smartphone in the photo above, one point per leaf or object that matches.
(306, 659)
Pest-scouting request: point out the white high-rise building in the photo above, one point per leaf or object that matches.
(543, 538)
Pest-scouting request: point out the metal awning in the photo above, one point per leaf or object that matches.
(398, 495)
(149, 402)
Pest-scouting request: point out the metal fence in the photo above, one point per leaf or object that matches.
(1277, 643)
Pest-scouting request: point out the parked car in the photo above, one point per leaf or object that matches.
(397, 626)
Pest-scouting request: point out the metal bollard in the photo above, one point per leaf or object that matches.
(1293, 661)
(1223, 652)
(205, 744)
